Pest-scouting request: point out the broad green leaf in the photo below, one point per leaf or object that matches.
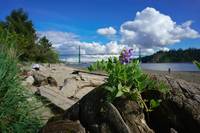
(152, 103)
(158, 102)
(98, 65)
(130, 77)
(142, 104)
(109, 65)
(129, 70)
(166, 90)
(142, 85)
(138, 72)
(112, 79)
(161, 86)
(150, 110)
(111, 89)
(110, 98)
(197, 64)
(93, 66)
(114, 93)
(115, 59)
(127, 88)
(103, 64)
(89, 69)
(134, 96)
(152, 84)
(132, 63)
(143, 77)
(119, 86)
(125, 75)
(137, 62)
(119, 93)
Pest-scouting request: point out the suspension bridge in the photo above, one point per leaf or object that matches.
(79, 54)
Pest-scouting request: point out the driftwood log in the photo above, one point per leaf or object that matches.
(179, 112)
(40, 79)
(180, 108)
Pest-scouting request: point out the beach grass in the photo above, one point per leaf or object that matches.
(19, 112)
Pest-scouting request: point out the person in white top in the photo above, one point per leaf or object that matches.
(36, 67)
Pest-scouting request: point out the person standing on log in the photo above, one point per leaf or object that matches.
(169, 70)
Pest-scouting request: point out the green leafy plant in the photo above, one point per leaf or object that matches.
(127, 80)
(197, 64)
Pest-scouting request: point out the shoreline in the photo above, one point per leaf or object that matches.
(190, 76)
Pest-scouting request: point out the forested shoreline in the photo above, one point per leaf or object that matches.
(27, 42)
(174, 56)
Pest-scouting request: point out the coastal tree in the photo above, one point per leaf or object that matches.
(22, 30)
(18, 23)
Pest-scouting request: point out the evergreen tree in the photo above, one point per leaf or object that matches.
(22, 28)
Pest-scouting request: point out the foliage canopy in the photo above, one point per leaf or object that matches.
(27, 41)
(180, 55)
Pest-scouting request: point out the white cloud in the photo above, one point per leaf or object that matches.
(107, 31)
(165, 49)
(58, 37)
(68, 45)
(151, 29)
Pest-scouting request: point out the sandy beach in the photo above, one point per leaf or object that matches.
(60, 72)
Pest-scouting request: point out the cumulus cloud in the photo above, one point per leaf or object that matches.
(68, 45)
(58, 37)
(107, 31)
(165, 49)
(151, 29)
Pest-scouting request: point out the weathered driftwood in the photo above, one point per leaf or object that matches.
(77, 72)
(40, 79)
(80, 85)
(57, 99)
(180, 108)
(178, 112)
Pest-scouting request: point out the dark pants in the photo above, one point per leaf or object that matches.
(37, 69)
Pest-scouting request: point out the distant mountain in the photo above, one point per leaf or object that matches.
(180, 55)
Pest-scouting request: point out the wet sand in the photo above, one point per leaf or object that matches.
(190, 76)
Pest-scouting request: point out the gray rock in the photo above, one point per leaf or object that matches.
(28, 81)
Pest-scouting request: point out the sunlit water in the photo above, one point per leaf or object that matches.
(160, 66)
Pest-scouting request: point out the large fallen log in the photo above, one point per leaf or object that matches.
(179, 109)
(77, 72)
(57, 99)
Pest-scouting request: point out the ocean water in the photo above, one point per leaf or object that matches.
(159, 66)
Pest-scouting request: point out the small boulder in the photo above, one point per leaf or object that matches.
(28, 81)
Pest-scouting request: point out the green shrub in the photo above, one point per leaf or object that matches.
(127, 80)
(17, 114)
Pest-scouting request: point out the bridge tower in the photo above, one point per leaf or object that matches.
(140, 59)
(79, 54)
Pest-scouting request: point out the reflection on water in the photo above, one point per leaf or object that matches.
(172, 66)
(160, 66)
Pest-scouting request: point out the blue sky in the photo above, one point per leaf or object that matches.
(109, 26)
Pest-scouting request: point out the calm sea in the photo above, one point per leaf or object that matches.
(160, 66)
